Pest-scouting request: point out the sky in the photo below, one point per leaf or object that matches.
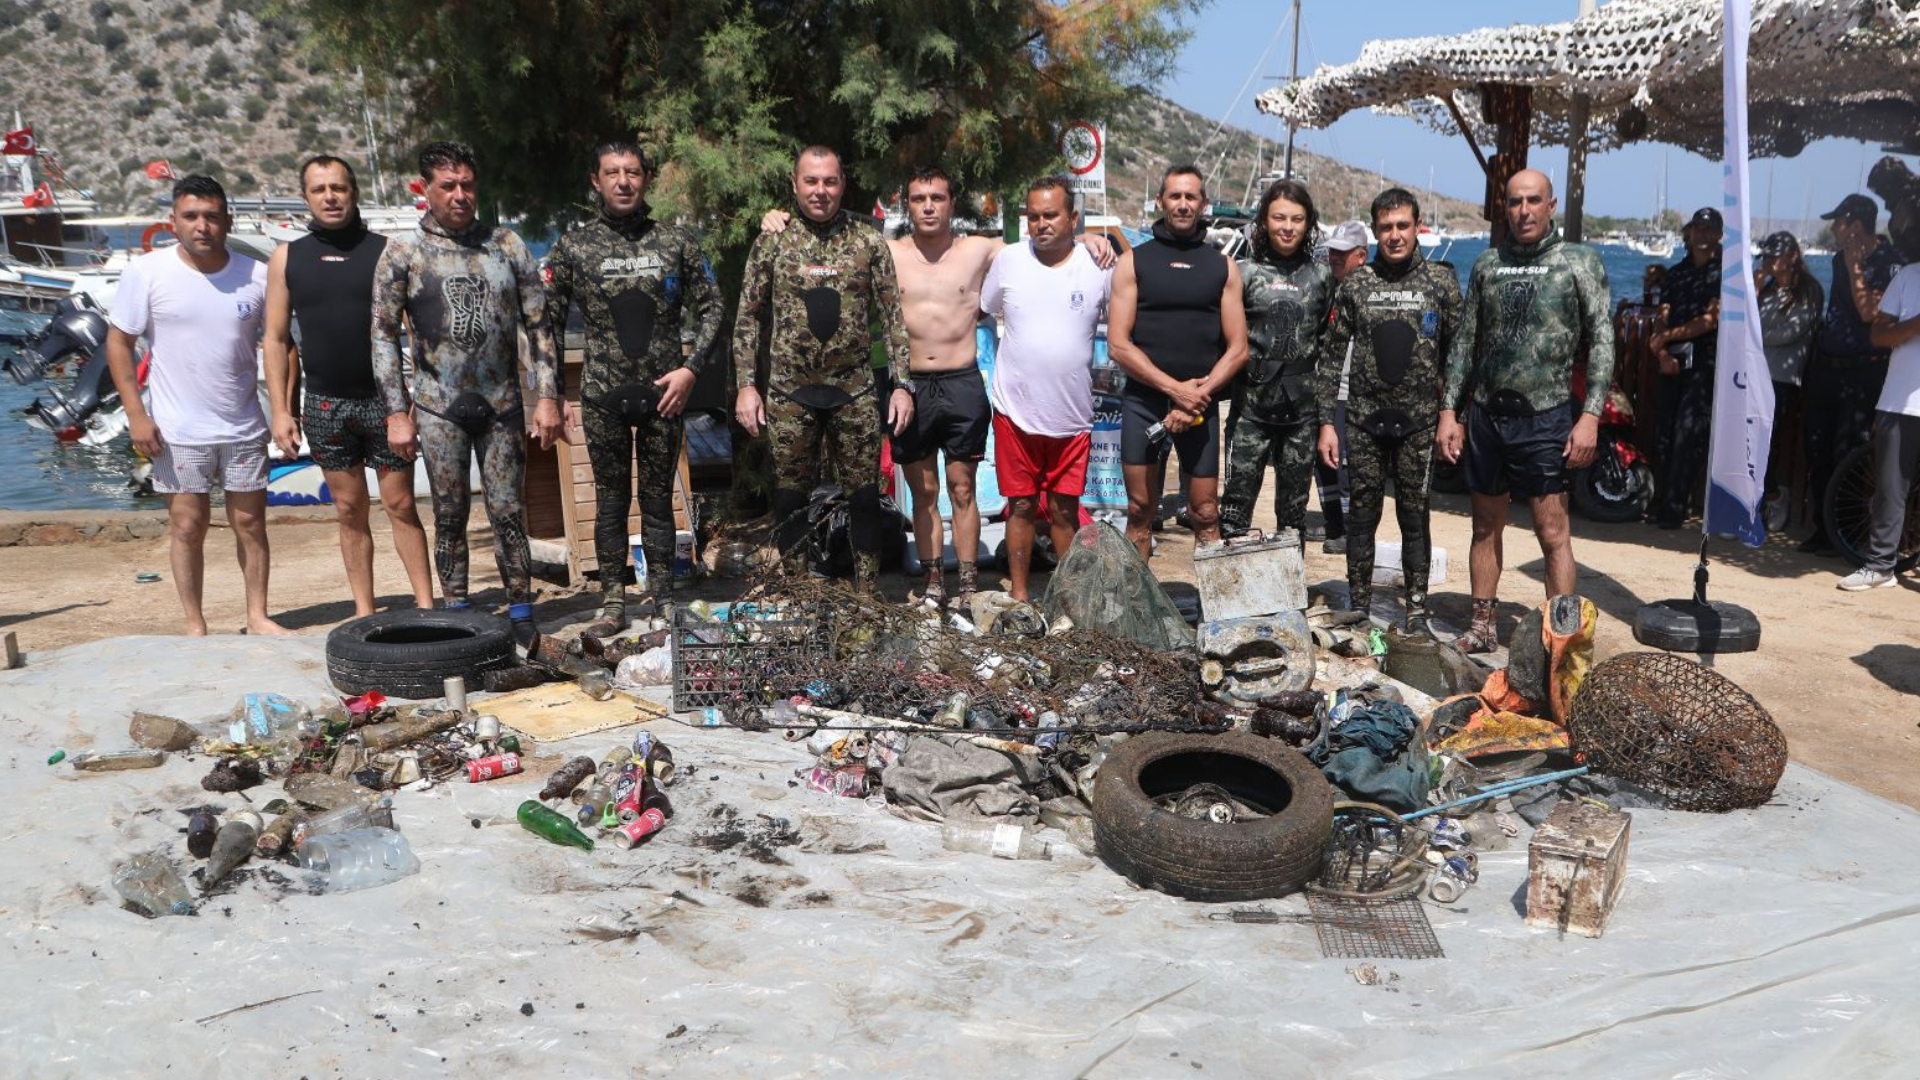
(1230, 36)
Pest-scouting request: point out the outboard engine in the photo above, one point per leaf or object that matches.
(78, 328)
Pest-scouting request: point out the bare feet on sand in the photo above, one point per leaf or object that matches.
(268, 628)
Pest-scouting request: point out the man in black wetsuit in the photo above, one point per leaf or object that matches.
(1177, 327)
(638, 282)
(324, 280)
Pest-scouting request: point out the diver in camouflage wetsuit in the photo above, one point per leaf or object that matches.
(1533, 304)
(1400, 312)
(637, 281)
(813, 294)
(465, 290)
(1287, 293)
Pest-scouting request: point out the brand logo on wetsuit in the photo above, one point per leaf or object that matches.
(618, 266)
(333, 258)
(1180, 265)
(1076, 300)
(1509, 271)
(1398, 297)
(1516, 303)
(820, 271)
(466, 296)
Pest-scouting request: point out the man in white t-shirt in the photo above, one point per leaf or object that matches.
(199, 307)
(1048, 294)
(1896, 430)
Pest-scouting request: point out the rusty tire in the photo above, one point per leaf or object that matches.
(1201, 860)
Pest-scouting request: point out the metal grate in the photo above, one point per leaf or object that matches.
(1373, 928)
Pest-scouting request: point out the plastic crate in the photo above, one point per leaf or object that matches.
(747, 662)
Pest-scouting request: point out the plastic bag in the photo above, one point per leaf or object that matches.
(651, 668)
(1102, 583)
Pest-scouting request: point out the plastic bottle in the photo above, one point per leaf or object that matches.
(359, 858)
(150, 883)
(596, 685)
(231, 847)
(274, 721)
(376, 814)
(116, 760)
(999, 841)
(550, 824)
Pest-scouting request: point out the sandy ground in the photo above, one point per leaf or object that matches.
(1840, 672)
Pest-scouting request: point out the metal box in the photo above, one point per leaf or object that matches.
(1253, 575)
(1576, 864)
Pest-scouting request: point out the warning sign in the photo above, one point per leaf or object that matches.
(1084, 145)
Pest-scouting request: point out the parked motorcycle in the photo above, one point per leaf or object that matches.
(1618, 485)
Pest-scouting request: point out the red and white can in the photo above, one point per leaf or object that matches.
(493, 768)
(628, 808)
(630, 834)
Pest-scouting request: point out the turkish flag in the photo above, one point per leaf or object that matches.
(42, 196)
(19, 143)
(161, 170)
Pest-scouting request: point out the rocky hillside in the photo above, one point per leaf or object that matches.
(225, 87)
(1154, 133)
(231, 88)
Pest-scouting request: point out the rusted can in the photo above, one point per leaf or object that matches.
(641, 827)
(493, 768)
(660, 763)
(566, 778)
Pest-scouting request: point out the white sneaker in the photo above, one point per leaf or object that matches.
(1863, 579)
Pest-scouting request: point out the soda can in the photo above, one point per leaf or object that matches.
(493, 768)
(642, 746)
(485, 728)
(456, 693)
(642, 826)
(628, 808)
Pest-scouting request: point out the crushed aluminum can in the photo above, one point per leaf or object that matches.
(493, 768)
(627, 810)
(847, 781)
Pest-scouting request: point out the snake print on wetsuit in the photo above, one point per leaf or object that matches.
(466, 297)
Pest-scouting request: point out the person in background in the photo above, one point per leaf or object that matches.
(1896, 430)
(1790, 303)
(1288, 295)
(199, 307)
(1346, 250)
(1685, 349)
(1843, 381)
(322, 281)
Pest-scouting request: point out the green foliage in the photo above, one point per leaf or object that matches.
(202, 36)
(730, 89)
(147, 78)
(52, 21)
(220, 67)
(101, 10)
(12, 14)
(255, 107)
(143, 106)
(209, 108)
(182, 92)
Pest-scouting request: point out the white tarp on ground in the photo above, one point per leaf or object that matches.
(1778, 943)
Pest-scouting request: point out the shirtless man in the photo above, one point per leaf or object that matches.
(940, 275)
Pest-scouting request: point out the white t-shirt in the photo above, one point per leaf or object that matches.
(201, 330)
(1901, 392)
(1042, 374)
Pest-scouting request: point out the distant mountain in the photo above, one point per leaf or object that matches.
(228, 87)
(1153, 133)
(225, 87)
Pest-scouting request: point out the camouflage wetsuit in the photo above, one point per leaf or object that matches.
(1400, 318)
(814, 294)
(639, 283)
(465, 296)
(1272, 412)
(1529, 310)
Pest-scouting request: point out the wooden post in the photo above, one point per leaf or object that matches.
(1573, 207)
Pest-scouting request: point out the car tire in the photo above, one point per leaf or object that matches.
(411, 653)
(1202, 860)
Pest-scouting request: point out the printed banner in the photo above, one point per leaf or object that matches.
(1743, 389)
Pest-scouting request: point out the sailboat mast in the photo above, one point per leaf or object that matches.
(1294, 76)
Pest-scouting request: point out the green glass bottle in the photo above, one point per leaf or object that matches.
(552, 825)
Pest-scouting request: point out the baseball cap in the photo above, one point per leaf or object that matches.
(1778, 244)
(1347, 236)
(1706, 216)
(1855, 207)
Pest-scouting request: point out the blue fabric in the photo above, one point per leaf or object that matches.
(1375, 756)
(520, 612)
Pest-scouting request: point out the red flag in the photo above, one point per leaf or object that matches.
(879, 209)
(417, 186)
(161, 169)
(19, 142)
(42, 196)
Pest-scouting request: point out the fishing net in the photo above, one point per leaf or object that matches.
(1671, 725)
(1103, 584)
(900, 660)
